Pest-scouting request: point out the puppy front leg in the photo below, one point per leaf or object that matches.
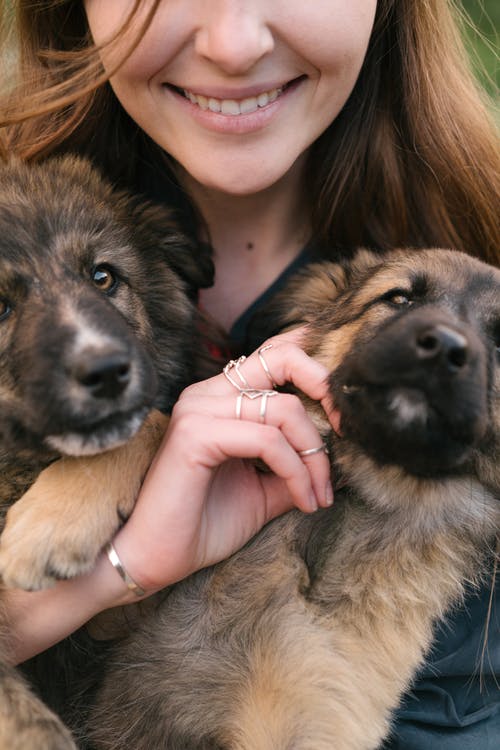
(25, 723)
(59, 526)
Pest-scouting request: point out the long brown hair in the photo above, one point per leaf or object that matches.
(412, 159)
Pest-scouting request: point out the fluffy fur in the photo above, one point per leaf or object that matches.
(97, 327)
(308, 636)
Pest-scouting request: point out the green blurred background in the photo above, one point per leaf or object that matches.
(484, 40)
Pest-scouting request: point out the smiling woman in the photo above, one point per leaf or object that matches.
(281, 132)
(294, 66)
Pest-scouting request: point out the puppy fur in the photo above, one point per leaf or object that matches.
(308, 636)
(97, 327)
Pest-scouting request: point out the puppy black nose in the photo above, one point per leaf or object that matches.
(104, 376)
(443, 344)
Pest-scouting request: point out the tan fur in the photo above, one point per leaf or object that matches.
(24, 720)
(307, 637)
(69, 513)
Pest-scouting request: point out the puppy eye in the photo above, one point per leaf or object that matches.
(398, 297)
(104, 278)
(5, 308)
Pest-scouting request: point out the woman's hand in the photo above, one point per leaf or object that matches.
(202, 499)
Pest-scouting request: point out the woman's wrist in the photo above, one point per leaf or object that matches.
(110, 590)
(116, 562)
(37, 620)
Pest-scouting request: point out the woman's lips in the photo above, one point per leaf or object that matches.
(250, 109)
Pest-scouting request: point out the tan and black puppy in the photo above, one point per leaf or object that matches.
(308, 637)
(97, 326)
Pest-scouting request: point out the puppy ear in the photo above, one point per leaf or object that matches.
(310, 291)
(156, 227)
(306, 293)
(192, 261)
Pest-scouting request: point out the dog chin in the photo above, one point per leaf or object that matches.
(399, 426)
(99, 440)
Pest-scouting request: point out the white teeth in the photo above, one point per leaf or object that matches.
(230, 107)
(214, 105)
(248, 105)
(233, 106)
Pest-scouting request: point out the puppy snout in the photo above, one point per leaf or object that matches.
(104, 375)
(442, 345)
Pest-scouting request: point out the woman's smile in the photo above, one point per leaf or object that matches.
(236, 93)
(232, 110)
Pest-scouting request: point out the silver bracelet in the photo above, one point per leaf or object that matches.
(118, 566)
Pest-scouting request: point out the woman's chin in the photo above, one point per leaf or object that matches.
(241, 177)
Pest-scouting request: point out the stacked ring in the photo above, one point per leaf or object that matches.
(253, 393)
(264, 364)
(235, 364)
(245, 389)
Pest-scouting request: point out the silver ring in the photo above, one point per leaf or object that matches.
(265, 365)
(239, 400)
(311, 451)
(235, 364)
(253, 393)
(263, 404)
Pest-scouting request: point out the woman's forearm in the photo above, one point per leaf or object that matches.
(36, 620)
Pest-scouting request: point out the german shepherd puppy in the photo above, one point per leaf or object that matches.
(97, 326)
(308, 636)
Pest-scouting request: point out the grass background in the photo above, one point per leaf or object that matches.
(483, 40)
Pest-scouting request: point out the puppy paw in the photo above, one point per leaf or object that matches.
(58, 528)
(40, 545)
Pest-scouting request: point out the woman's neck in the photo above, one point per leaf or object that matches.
(254, 239)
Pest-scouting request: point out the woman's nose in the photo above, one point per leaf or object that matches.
(234, 35)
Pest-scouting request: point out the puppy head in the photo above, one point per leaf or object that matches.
(412, 343)
(90, 308)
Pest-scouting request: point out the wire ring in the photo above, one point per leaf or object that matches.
(253, 393)
(263, 404)
(235, 364)
(264, 364)
(239, 401)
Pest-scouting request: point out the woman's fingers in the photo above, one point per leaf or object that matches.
(284, 413)
(219, 439)
(245, 392)
(285, 363)
(202, 494)
(280, 360)
(202, 498)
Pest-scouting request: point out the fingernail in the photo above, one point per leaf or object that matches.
(329, 494)
(313, 503)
